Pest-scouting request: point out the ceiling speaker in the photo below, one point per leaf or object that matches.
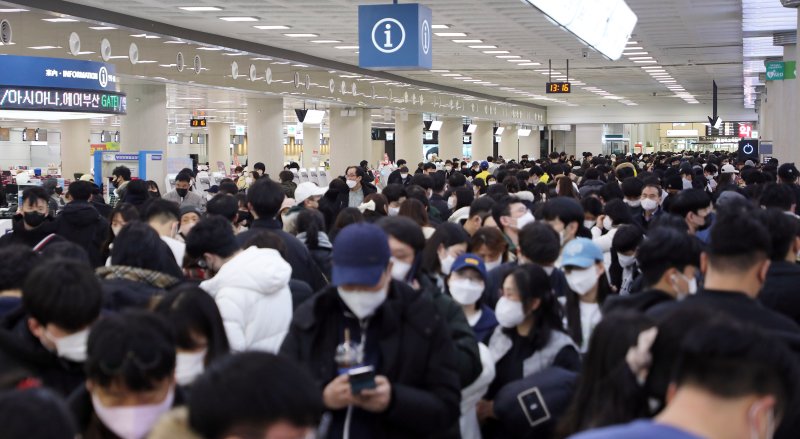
(180, 63)
(5, 32)
(105, 49)
(74, 44)
(198, 65)
(133, 53)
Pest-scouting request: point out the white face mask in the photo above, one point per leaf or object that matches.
(189, 366)
(394, 211)
(363, 304)
(524, 220)
(351, 183)
(451, 203)
(447, 263)
(509, 313)
(608, 223)
(448, 168)
(71, 347)
(465, 291)
(589, 223)
(400, 270)
(403, 176)
(116, 230)
(649, 205)
(626, 261)
(691, 282)
(132, 422)
(562, 237)
(492, 265)
(633, 203)
(582, 280)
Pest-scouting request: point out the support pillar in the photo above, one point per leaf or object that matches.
(483, 140)
(219, 146)
(311, 143)
(451, 138)
(508, 143)
(348, 143)
(265, 134)
(144, 127)
(408, 138)
(75, 140)
(530, 145)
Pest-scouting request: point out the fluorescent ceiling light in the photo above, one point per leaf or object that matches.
(632, 43)
(439, 71)
(468, 41)
(147, 61)
(237, 19)
(200, 8)
(440, 26)
(472, 80)
(549, 73)
(500, 130)
(191, 99)
(118, 57)
(272, 27)
(508, 56)
(325, 41)
(483, 47)
(436, 125)
(492, 52)
(519, 60)
(10, 10)
(85, 53)
(301, 35)
(639, 58)
(616, 98)
(60, 20)
(606, 26)
(452, 75)
(634, 48)
(347, 47)
(234, 54)
(646, 62)
(450, 34)
(529, 64)
(44, 47)
(669, 81)
(174, 42)
(210, 49)
(652, 67)
(465, 78)
(635, 53)
(102, 27)
(261, 58)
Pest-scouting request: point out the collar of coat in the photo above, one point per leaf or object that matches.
(154, 278)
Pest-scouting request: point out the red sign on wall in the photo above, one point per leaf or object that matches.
(745, 130)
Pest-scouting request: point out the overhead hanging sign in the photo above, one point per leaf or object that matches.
(395, 36)
(48, 99)
(34, 71)
(748, 149)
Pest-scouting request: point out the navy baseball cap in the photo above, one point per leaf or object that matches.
(360, 255)
(470, 260)
(484, 165)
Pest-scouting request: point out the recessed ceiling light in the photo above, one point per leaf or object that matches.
(634, 48)
(234, 54)
(118, 57)
(519, 60)
(325, 41)
(85, 53)
(492, 52)
(200, 8)
(639, 58)
(60, 20)
(261, 58)
(652, 67)
(272, 27)
(347, 47)
(483, 47)
(468, 41)
(10, 10)
(101, 27)
(238, 18)
(668, 81)
(174, 42)
(635, 53)
(450, 34)
(210, 49)
(147, 61)
(440, 26)
(508, 56)
(549, 73)
(301, 35)
(472, 80)
(439, 71)
(452, 74)
(647, 62)
(529, 64)
(44, 47)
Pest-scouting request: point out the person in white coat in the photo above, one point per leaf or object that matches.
(251, 287)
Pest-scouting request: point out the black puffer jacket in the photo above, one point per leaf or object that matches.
(82, 224)
(30, 238)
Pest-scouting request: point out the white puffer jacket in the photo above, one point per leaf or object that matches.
(252, 293)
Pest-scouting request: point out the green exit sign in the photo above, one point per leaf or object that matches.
(780, 70)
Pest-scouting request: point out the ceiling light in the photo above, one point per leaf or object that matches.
(616, 98)
(148, 61)
(635, 53)
(272, 27)
(44, 47)
(639, 58)
(669, 81)
(85, 53)
(60, 20)
(450, 34)
(508, 56)
(174, 42)
(440, 26)
(632, 43)
(439, 71)
(191, 99)
(519, 60)
(234, 54)
(325, 41)
(9, 10)
(483, 47)
(472, 80)
(492, 52)
(261, 58)
(468, 41)
(118, 57)
(529, 64)
(548, 73)
(646, 62)
(452, 75)
(210, 49)
(652, 67)
(102, 27)
(238, 18)
(347, 47)
(301, 35)
(634, 48)
(200, 8)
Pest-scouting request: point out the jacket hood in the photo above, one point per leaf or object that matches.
(154, 278)
(262, 270)
(80, 214)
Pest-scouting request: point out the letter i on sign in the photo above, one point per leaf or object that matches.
(388, 33)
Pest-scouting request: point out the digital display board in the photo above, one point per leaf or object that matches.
(198, 123)
(558, 87)
(59, 73)
(50, 99)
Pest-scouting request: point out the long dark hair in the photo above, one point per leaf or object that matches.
(448, 235)
(607, 392)
(573, 309)
(348, 215)
(129, 213)
(533, 283)
(312, 223)
(190, 310)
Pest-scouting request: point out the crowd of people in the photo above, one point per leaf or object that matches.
(619, 296)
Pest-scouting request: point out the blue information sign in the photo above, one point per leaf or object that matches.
(395, 36)
(60, 73)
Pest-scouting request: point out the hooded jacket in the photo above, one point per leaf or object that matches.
(253, 296)
(131, 287)
(79, 222)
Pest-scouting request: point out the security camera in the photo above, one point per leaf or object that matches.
(585, 53)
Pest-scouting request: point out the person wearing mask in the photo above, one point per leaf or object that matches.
(32, 223)
(479, 210)
(466, 285)
(260, 169)
(623, 270)
(710, 173)
(358, 188)
(264, 201)
(199, 332)
(750, 394)
(80, 222)
(459, 204)
(565, 216)
(183, 196)
(164, 217)
(120, 216)
(779, 291)
(254, 394)
(152, 187)
(694, 206)
(130, 380)
(120, 177)
(47, 336)
(490, 244)
(651, 204)
(441, 250)
(364, 319)
(255, 303)
(311, 232)
(395, 194)
(530, 337)
(632, 190)
(306, 196)
(190, 216)
(511, 215)
(588, 289)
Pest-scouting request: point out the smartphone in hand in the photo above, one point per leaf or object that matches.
(361, 378)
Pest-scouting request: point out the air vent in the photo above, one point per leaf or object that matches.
(5, 32)
(74, 44)
(198, 65)
(180, 63)
(253, 72)
(784, 38)
(133, 53)
(234, 70)
(105, 49)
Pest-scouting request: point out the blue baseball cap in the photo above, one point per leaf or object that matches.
(484, 165)
(470, 260)
(581, 253)
(360, 255)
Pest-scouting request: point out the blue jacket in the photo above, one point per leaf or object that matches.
(485, 325)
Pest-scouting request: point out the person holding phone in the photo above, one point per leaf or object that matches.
(384, 361)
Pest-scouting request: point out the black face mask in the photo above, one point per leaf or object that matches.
(709, 219)
(182, 192)
(114, 183)
(245, 218)
(33, 219)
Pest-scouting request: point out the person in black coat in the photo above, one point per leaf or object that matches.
(356, 180)
(388, 326)
(33, 221)
(81, 223)
(780, 288)
(264, 200)
(329, 203)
